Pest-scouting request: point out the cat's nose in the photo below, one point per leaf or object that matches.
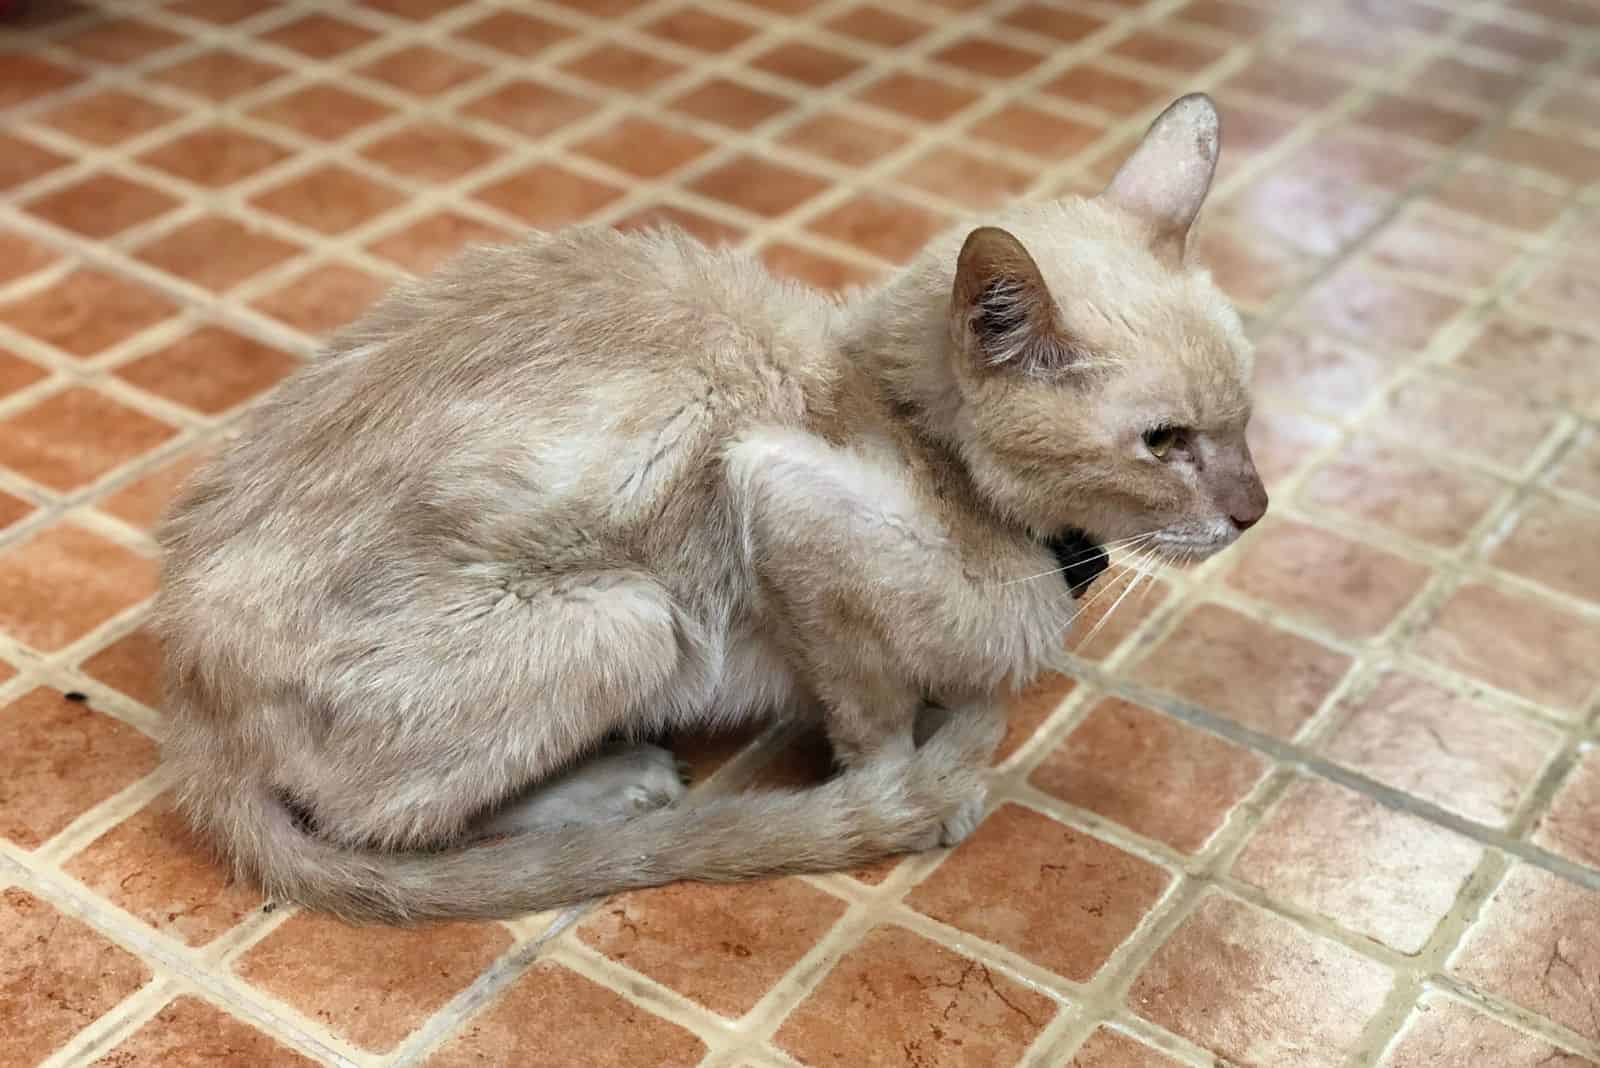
(1248, 512)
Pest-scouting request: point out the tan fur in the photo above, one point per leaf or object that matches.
(599, 485)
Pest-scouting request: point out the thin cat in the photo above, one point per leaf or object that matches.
(598, 485)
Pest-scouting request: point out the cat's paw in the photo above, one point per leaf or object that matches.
(962, 822)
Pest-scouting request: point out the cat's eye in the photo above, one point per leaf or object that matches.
(1161, 440)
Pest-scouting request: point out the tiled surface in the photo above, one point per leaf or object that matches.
(1332, 799)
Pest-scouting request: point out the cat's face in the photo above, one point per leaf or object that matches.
(1105, 382)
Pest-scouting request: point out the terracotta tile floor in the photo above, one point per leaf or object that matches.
(1333, 799)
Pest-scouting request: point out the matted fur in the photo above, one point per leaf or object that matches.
(598, 484)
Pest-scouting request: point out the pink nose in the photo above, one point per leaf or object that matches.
(1248, 512)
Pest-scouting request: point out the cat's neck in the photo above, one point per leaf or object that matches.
(898, 337)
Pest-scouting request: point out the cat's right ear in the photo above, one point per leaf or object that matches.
(1168, 176)
(1001, 311)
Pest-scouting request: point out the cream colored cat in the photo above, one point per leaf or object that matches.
(600, 486)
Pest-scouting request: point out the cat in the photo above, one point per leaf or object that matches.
(584, 490)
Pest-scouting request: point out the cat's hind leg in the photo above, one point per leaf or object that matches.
(618, 782)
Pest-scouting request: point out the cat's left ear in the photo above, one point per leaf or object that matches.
(1168, 176)
(1002, 314)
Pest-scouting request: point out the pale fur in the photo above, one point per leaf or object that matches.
(598, 485)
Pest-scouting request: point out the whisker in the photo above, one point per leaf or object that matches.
(1108, 548)
(1141, 575)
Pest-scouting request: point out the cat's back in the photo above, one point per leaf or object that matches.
(579, 381)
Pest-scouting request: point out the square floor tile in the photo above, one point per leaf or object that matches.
(215, 156)
(1381, 873)
(58, 974)
(1531, 647)
(131, 664)
(1071, 899)
(23, 161)
(1351, 588)
(643, 147)
(1514, 358)
(882, 225)
(210, 370)
(101, 206)
(1254, 674)
(1151, 773)
(119, 41)
(806, 64)
(329, 199)
(595, 1026)
(1443, 1031)
(1259, 990)
(60, 758)
(431, 152)
(1553, 542)
(190, 1033)
(320, 36)
(218, 75)
(694, 27)
(1476, 420)
(21, 256)
(838, 137)
(916, 97)
(1461, 754)
(430, 241)
(731, 104)
(964, 178)
(614, 66)
(1385, 316)
(546, 196)
(898, 991)
(142, 501)
(422, 70)
(73, 437)
(108, 117)
(26, 78)
(322, 112)
(152, 866)
(530, 107)
(1537, 944)
(1106, 1048)
(324, 298)
(1404, 491)
(216, 253)
(1321, 373)
(721, 946)
(515, 33)
(758, 186)
(1571, 826)
(370, 985)
(17, 373)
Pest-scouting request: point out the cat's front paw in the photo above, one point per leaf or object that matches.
(963, 821)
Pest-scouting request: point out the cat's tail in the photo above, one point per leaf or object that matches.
(858, 817)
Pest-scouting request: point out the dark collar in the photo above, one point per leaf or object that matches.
(1081, 560)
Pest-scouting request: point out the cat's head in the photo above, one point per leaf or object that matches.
(1100, 380)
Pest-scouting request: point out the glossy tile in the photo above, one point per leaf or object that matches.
(594, 1026)
(372, 986)
(61, 758)
(1459, 753)
(1375, 871)
(58, 975)
(1537, 944)
(1150, 773)
(1264, 678)
(1254, 988)
(896, 991)
(722, 947)
(1072, 899)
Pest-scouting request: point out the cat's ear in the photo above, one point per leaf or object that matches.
(1002, 314)
(1168, 176)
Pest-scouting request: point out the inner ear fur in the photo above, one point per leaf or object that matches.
(1002, 312)
(1166, 180)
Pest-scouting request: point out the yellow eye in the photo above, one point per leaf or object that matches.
(1160, 440)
